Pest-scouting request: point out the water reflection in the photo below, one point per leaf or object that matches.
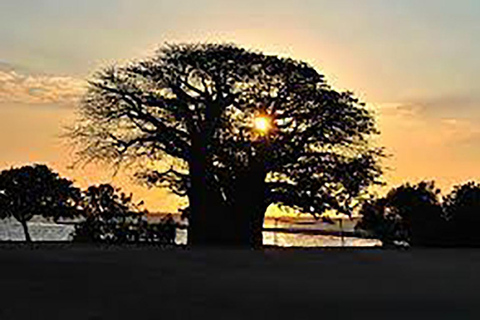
(301, 240)
(43, 231)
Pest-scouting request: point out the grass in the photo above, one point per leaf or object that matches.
(69, 281)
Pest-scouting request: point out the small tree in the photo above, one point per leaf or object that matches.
(380, 222)
(420, 209)
(462, 208)
(108, 214)
(111, 216)
(36, 191)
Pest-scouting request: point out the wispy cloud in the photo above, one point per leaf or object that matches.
(451, 120)
(432, 127)
(20, 87)
(460, 106)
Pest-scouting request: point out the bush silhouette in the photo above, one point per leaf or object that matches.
(111, 217)
(380, 222)
(411, 213)
(462, 208)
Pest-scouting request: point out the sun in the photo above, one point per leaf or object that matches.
(262, 124)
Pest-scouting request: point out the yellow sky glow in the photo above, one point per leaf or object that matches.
(415, 63)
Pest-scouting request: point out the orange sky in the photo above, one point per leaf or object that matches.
(414, 62)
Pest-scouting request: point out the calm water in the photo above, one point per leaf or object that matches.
(47, 231)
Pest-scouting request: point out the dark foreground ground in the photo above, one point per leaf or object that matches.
(80, 282)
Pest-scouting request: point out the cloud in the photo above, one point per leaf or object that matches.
(429, 144)
(449, 121)
(461, 106)
(29, 88)
(452, 121)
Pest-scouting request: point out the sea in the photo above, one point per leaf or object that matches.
(45, 230)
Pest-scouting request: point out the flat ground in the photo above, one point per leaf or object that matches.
(80, 282)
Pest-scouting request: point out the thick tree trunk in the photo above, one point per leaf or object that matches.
(250, 204)
(25, 231)
(259, 203)
(197, 202)
(206, 208)
(256, 227)
(213, 221)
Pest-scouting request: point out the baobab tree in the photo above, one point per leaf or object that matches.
(246, 130)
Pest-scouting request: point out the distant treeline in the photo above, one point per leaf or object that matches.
(421, 216)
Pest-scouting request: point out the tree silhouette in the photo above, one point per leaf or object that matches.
(196, 103)
(421, 211)
(381, 223)
(462, 208)
(108, 213)
(36, 190)
(411, 213)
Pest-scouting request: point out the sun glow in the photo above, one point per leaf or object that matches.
(262, 124)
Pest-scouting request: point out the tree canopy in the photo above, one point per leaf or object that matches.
(36, 191)
(462, 210)
(416, 214)
(107, 202)
(110, 215)
(196, 103)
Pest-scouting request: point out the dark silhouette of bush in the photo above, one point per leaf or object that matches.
(462, 209)
(380, 223)
(112, 217)
(36, 190)
(107, 213)
(411, 213)
(421, 213)
(162, 232)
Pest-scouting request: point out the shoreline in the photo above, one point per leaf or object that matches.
(146, 245)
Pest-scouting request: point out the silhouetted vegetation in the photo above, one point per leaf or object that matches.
(108, 215)
(418, 215)
(462, 210)
(196, 104)
(420, 211)
(112, 217)
(36, 190)
(381, 223)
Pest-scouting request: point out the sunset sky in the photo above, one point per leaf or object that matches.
(416, 62)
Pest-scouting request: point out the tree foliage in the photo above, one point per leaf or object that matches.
(195, 103)
(108, 215)
(420, 209)
(462, 209)
(36, 190)
(381, 223)
(111, 216)
(409, 213)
